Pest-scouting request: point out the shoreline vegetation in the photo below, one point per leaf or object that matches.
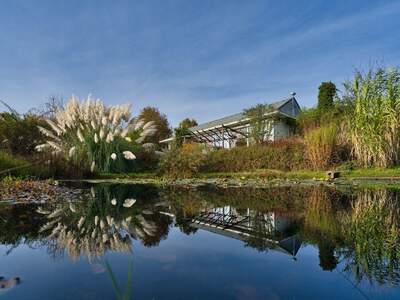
(372, 177)
(355, 133)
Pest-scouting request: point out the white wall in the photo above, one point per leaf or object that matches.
(280, 130)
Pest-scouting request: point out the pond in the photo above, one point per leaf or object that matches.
(276, 243)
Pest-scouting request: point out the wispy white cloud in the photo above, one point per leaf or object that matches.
(201, 59)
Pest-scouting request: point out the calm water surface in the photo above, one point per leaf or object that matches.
(278, 243)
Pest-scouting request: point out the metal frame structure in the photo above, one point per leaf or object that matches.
(217, 135)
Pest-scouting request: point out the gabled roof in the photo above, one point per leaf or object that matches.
(239, 117)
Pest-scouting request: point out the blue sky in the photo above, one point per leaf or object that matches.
(201, 59)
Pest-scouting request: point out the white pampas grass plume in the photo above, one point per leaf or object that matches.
(96, 220)
(102, 133)
(40, 148)
(71, 151)
(96, 138)
(105, 238)
(54, 127)
(92, 192)
(79, 135)
(110, 137)
(72, 208)
(129, 202)
(148, 124)
(114, 201)
(104, 121)
(92, 166)
(117, 131)
(113, 156)
(81, 221)
(128, 139)
(102, 224)
(149, 132)
(129, 155)
(139, 124)
(47, 133)
(140, 139)
(108, 218)
(125, 132)
(54, 145)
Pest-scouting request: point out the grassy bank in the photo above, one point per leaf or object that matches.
(380, 173)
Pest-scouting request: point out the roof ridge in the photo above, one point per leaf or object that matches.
(280, 102)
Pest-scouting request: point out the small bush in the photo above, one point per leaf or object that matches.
(20, 134)
(183, 162)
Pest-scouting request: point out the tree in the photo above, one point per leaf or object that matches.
(260, 125)
(183, 130)
(187, 123)
(49, 108)
(164, 131)
(326, 95)
(19, 134)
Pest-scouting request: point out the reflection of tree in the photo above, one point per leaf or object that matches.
(321, 224)
(19, 225)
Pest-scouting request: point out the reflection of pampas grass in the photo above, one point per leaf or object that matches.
(81, 235)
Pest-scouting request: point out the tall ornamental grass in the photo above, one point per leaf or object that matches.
(320, 146)
(91, 134)
(374, 125)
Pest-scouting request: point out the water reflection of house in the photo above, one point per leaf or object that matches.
(261, 230)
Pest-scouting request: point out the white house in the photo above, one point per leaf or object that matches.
(226, 132)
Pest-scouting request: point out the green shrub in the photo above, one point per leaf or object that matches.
(21, 167)
(183, 162)
(20, 134)
(283, 155)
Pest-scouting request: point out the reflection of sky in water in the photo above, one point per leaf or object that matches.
(201, 265)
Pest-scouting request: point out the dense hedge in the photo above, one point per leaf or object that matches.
(285, 155)
(185, 162)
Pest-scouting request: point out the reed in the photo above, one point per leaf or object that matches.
(373, 125)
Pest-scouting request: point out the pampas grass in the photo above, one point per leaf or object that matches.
(91, 132)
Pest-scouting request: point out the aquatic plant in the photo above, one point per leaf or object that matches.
(91, 133)
(119, 294)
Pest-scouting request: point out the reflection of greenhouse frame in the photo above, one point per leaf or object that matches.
(228, 222)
